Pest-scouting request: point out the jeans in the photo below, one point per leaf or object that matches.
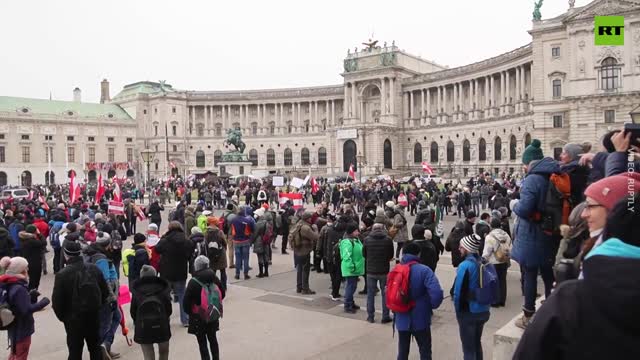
(372, 282)
(531, 285)
(336, 278)
(210, 337)
(476, 207)
(423, 339)
(470, 326)
(178, 288)
(22, 349)
(303, 267)
(485, 202)
(85, 328)
(501, 271)
(349, 290)
(148, 351)
(109, 321)
(242, 258)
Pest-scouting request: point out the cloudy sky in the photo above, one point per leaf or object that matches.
(53, 46)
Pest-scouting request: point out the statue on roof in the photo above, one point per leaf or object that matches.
(537, 16)
(164, 87)
(371, 44)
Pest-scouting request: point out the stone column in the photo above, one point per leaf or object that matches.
(333, 112)
(405, 101)
(327, 121)
(517, 94)
(493, 92)
(298, 115)
(411, 105)
(392, 94)
(354, 101)
(456, 93)
(383, 96)
(502, 102)
(507, 92)
(428, 104)
(315, 113)
(444, 98)
(470, 112)
(422, 114)
(438, 101)
(345, 109)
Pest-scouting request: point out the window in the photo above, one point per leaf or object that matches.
(155, 130)
(3, 178)
(482, 150)
(556, 153)
(555, 51)
(253, 157)
(254, 129)
(92, 154)
(173, 109)
(609, 116)
(497, 149)
(48, 154)
(111, 154)
(557, 88)
(417, 153)
(324, 125)
(70, 138)
(272, 128)
(218, 130)
(304, 156)
(129, 154)
(288, 157)
(48, 137)
(26, 154)
(156, 166)
(512, 147)
(144, 111)
(175, 148)
(174, 130)
(306, 126)
(2, 155)
(609, 74)
(129, 140)
(71, 154)
(450, 151)
(156, 148)
(322, 156)
(271, 157)
(200, 130)
(155, 110)
(1, 136)
(110, 139)
(217, 155)
(466, 150)
(91, 138)
(200, 159)
(289, 127)
(434, 152)
(24, 137)
(557, 121)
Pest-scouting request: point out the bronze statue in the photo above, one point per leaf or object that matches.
(234, 137)
(371, 44)
(537, 16)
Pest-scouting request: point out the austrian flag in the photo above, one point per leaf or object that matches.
(426, 168)
(295, 198)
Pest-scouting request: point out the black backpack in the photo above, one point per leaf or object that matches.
(86, 293)
(7, 317)
(151, 318)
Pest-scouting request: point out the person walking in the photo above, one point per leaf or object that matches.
(303, 238)
(150, 311)
(352, 264)
(378, 252)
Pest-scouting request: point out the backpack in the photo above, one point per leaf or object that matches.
(151, 318)
(6, 314)
(214, 250)
(116, 240)
(54, 240)
(86, 293)
(246, 231)
(172, 214)
(487, 291)
(397, 295)
(210, 306)
(557, 204)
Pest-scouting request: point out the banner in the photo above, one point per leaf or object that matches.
(277, 181)
(297, 182)
(116, 207)
(294, 197)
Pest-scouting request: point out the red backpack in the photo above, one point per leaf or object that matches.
(397, 295)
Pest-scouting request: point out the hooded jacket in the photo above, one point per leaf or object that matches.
(142, 289)
(32, 249)
(378, 251)
(453, 243)
(307, 239)
(6, 243)
(192, 298)
(22, 307)
(242, 226)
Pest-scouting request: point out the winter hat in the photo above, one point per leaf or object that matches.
(139, 238)
(417, 231)
(97, 217)
(471, 214)
(195, 230)
(411, 248)
(71, 248)
(306, 215)
(103, 238)
(574, 150)
(428, 235)
(200, 263)
(259, 213)
(351, 227)
(212, 221)
(471, 243)
(532, 152)
(206, 213)
(16, 266)
(152, 227)
(148, 270)
(31, 229)
(4, 262)
(496, 223)
(71, 227)
(389, 204)
(610, 190)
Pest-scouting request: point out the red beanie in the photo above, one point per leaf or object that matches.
(611, 190)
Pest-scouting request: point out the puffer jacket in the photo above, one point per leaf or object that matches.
(352, 257)
(378, 250)
(6, 243)
(532, 247)
(142, 289)
(32, 250)
(175, 251)
(242, 226)
(400, 222)
(22, 307)
(497, 238)
(189, 220)
(327, 240)
(308, 238)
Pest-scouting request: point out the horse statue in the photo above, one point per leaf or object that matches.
(234, 137)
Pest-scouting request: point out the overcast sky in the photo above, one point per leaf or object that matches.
(56, 45)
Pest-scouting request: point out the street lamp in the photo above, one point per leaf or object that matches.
(361, 163)
(147, 157)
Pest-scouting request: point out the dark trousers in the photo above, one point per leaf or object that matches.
(303, 267)
(56, 260)
(35, 272)
(531, 285)
(399, 250)
(210, 338)
(501, 271)
(471, 326)
(285, 238)
(423, 339)
(84, 329)
(223, 278)
(336, 278)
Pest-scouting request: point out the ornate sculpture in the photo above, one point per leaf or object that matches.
(350, 65)
(581, 65)
(388, 58)
(572, 3)
(234, 137)
(371, 44)
(537, 16)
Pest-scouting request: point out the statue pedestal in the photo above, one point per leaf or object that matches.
(234, 167)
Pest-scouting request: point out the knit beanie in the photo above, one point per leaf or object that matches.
(471, 243)
(532, 152)
(196, 230)
(417, 231)
(573, 150)
(139, 238)
(31, 229)
(496, 223)
(411, 248)
(16, 266)
(4, 263)
(152, 227)
(608, 191)
(428, 235)
(200, 263)
(389, 204)
(71, 248)
(148, 270)
(103, 239)
(351, 227)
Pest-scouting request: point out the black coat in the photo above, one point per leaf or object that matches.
(154, 212)
(378, 252)
(428, 253)
(175, 251)
(593, 318)
(141, 289)
(452, 244)
(192, 297)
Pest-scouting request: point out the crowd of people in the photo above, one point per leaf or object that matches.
(571, 221)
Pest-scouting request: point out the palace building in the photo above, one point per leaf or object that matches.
(392, 111)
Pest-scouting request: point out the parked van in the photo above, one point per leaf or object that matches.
(18, 193)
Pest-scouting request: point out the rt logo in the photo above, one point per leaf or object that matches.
(609, 30)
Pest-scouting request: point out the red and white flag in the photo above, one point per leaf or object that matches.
(140, 213)
(43, 202)
(295, 198)
(100, 190)
(352, 174)
(426, 168)
(74, 189)
(31, 194)
(116, 207)
(314, 186)
(117, 194)
(173, 165)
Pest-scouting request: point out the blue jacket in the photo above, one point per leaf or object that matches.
(617, 163)
(531, 247)
(467, 280)
(55, 227)
(14, 229)
(425, 289)
(240, 222)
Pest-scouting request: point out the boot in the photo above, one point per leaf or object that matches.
(266, 270)
(523, 322)
(260, 274)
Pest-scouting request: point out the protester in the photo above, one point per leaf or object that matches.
(32, 250)
(497, 251)
(135, 258)
(242, 226)
(303, 238)
(217, 246)
(260, 246)
(378, 252)
(428, 252)
(352, 265)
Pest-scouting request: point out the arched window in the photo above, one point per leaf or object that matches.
(217, 155)
(388, 154)
(200, 160)
(288, 157)
(3, 178)
(271, 157)
(451, 152)
(512, 147)
(304, 156)
(49, 178)
(349, 151)
(322, 156)
(527, 139)
(26, 178)
(200, 129)
(434, 152)
(111, 173)
(609, 74)
(417, 153)
(253, 157)
(466, 150)
(482, 150)
(497, 149)
(254, 128)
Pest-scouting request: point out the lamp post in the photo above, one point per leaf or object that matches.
(147, 157)
(361, 163)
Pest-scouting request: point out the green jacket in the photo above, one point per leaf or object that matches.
(352, 258)
(202, 223)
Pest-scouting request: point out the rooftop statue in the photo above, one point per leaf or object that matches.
(371, 44)
(537, 16)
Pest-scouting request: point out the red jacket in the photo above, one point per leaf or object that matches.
(42, 227)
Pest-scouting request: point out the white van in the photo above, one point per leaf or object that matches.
(14, 193)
